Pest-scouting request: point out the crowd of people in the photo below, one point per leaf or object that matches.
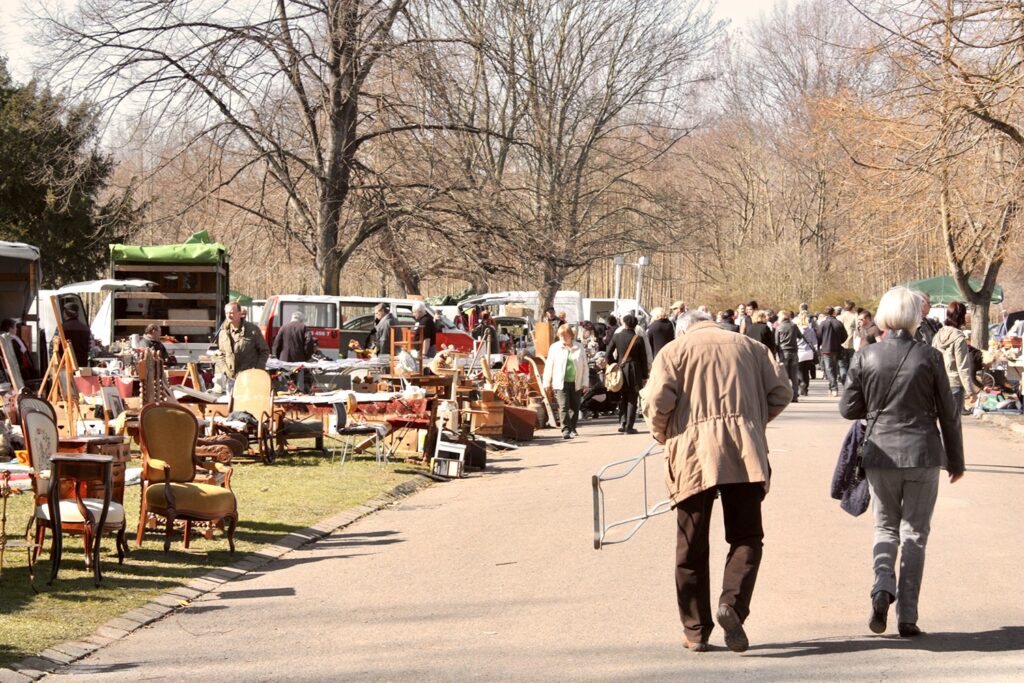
(716, 381)
(711, 383)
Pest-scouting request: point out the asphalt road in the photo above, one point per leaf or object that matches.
(495, 577)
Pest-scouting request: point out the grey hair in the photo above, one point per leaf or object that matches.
(899, 309)
(230, 304)
(297, 315)
(419, 308)
(692, 318)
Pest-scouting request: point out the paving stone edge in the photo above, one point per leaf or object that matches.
(60, 655)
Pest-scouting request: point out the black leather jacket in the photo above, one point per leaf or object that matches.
(905, 434)
(787, 336)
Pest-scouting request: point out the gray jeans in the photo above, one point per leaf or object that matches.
(569, 403)
(902, 501)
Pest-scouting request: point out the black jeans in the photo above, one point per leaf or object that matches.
(741, 507)
(628, 399)
(569, 406)
(806, 375)
(788, 360)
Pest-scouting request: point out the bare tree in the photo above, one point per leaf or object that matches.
(587, 97)
(286, 90)
(958, 105)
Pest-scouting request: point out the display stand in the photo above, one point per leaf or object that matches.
(411, 340)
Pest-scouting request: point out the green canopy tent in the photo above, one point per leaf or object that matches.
(243, 300)
(943, 289)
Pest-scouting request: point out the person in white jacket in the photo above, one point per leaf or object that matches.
(567, 373)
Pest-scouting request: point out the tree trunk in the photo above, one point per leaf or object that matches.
(979, 325)
(546, 294)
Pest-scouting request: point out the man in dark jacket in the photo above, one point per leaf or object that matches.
(425, 321)
(727, 323)
(831, 335)
(661, 330)
(294, 342)
(787, 335)
(929, 326)
(78, 335)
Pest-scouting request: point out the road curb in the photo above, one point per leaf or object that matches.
(62, 654)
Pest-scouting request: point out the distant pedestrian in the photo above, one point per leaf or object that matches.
(678, 309)
(710, 396)
(848, 317)
(787, 344)
(630, 352)
(831, 335)
(759, 330)
(807, 348)
(903, 386)
(727, 322)
(952, 344)
(294, 342)
(566, 372)
(661, 330)
(928, 327)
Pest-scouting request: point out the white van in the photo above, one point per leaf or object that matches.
(337, 320)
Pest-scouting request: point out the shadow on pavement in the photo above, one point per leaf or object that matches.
(1004, 639)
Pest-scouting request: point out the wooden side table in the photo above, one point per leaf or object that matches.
(117, 447)
(79, 469)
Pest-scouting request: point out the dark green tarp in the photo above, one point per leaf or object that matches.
(242, 299)
(942, 289)
(197, 250)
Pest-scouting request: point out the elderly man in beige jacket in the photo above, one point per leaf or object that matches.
(709, 398)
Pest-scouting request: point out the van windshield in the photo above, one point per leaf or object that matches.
(315, 314)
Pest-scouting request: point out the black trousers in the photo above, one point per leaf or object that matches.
(806, 375)
(628, 400)
(741, 507)
(789, 361)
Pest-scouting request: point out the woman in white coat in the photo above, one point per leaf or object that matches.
(566, 372)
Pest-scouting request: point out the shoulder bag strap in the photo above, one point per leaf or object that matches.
(873, 415)
(629, 348)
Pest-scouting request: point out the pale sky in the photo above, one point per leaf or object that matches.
(13, 28)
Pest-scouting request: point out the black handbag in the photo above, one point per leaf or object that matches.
(855, 495)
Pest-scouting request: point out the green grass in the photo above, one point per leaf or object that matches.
(272, 501)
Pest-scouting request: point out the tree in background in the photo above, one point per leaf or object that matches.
(53, 181)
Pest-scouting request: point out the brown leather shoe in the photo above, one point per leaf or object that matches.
(699, 646)
(735, 636)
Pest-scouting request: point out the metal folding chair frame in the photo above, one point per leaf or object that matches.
(601, 524)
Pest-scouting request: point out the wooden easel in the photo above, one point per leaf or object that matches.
(60, 371)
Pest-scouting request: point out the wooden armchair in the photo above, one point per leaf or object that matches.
(78, 515)
(254, 394)
(167, 435)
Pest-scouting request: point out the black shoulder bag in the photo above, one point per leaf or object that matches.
(855, 493)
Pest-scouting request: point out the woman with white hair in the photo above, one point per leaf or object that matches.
(900, 387)
(567, 373)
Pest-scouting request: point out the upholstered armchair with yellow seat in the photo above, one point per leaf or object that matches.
(167, 434)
